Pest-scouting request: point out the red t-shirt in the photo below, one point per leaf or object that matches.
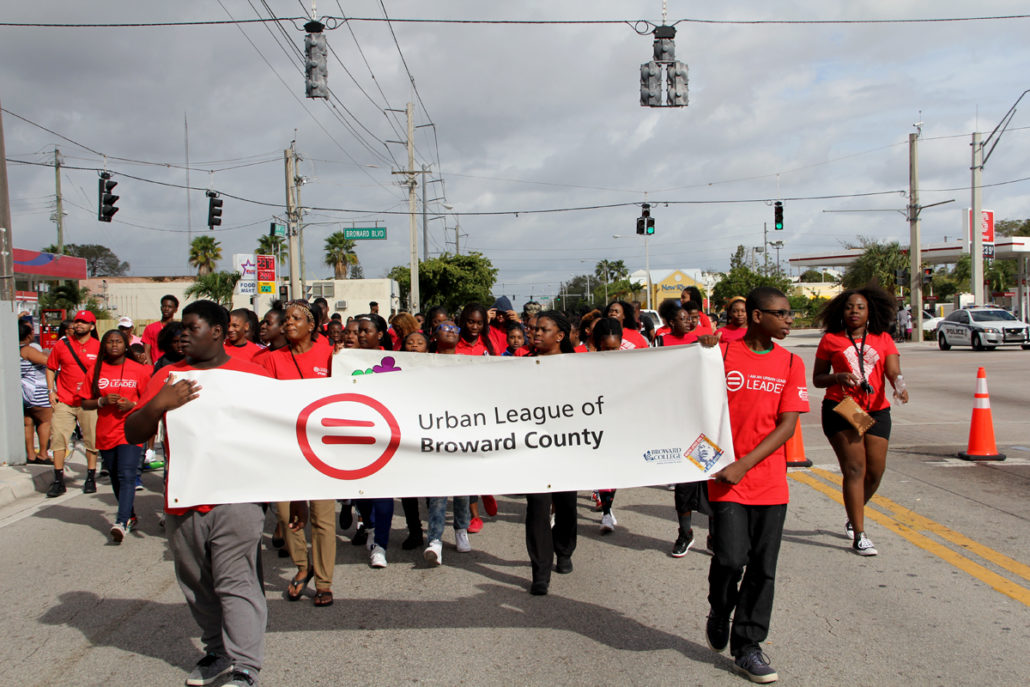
(498, 337)
(664, 329)
(155, 384)
(150, 333)
(284, 364)
(69, 375)
(128, 381)
(760, 387)
(731, 333)
(704, 321)
(843, 357)
(671, 339)
(245, 352)
(475, 348)
(631, 338)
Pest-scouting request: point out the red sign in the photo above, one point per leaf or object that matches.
(265, 267)
(362, 454)
(986, 225)
(48, 264)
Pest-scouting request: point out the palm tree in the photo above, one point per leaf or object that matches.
(339, 253)
(273, 245)
(218, 286)
(205, 252)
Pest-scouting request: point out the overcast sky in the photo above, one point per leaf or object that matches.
(526, 118)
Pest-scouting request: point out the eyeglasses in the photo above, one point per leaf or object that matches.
(782, 314)
(447, 328)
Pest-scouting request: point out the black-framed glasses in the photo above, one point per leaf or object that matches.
(782, 314)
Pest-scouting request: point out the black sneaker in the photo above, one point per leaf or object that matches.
(346, 517)
(56, 489)
(89, 486)
(717, 631)
(754, 665)
(413, 541)
(360, 537)
(683, 544)
(564, 566)
(538, 588)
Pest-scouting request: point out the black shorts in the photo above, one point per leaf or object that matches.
(834, 423)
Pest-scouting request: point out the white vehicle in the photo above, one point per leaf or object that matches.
(983, 329)
(931, 321)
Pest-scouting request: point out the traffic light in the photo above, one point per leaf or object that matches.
(650, 84)
(676, 75)
(778, 216)
(645, 223)
(214, 210)
(106, 199)
(927, 275)
(316, 72)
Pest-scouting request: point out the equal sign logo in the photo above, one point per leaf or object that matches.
(347, 436)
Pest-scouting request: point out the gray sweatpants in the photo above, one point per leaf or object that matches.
(215, 556)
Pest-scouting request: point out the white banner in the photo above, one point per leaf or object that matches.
(476, 426)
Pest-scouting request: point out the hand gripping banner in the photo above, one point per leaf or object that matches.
(415, 425)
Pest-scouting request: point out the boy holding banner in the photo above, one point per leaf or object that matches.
(766, 390)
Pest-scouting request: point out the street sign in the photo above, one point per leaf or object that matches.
(359, 233)
(278, 230)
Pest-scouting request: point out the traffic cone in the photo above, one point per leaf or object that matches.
(981, 428)
(795, 448)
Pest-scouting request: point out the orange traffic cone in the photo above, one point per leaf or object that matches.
(981, 428)
(795, 448)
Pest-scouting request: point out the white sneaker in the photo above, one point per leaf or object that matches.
(608, 523)
(863, 547)
(434, 553)
(461, 541)
(849, 530)
(148, 457)
(118, 533)
(378, 557)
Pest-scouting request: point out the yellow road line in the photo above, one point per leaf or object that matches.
(920, 522)
(988, 577)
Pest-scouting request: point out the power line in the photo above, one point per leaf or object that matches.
(513, 22)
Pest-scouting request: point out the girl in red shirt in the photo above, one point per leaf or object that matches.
(113, 387)
(474, 340)
(856, 356)
(683, 326)
(605, 335)
(624, 313)
(736, 320)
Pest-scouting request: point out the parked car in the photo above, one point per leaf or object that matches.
(930, 321)
(983, 328)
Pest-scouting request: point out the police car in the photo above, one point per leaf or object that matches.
(982, 328)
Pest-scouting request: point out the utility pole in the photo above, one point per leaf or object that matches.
(292, 222)
(915, 249)
(457, 233)
(11, 445)
(60, 206)
(189, 212)
(765, 246)
(6, 250)
(410, 172)
(976, 246)
(425, 225)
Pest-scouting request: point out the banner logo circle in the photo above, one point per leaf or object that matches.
(357, 402)
(734, 380)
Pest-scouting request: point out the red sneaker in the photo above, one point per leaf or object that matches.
(490, 504)
(475, 525)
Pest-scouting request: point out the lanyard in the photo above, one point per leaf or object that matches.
(861, 353)
(294, 359)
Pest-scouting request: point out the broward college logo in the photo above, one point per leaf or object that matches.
(347, 436)
(662, 455)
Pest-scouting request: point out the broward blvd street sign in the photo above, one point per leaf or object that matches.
(358, 233)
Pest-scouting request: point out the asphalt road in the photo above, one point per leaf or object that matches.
(946, 602)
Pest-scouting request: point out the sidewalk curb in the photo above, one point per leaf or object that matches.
(19, 481)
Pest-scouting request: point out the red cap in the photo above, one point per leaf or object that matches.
(86, 316)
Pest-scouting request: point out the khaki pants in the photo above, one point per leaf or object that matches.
(62, 424)
(322, 515)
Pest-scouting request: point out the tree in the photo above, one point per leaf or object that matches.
(611, 270)
(450, 280)
(878, 264)
(575, 294)
(816, 276)
(100, 260)
(218, 286)
(339, 253)
(999, 275)
(623, 289)
(1013, 227)
(205, 252)
(741, 279)
(273, 245)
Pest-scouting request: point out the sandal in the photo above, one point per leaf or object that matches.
(297, 585)
(323, 598)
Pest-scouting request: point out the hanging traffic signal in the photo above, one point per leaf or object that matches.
(676, 74)
(214, 210)
(778, 216)
(650, 84)
(316, 54)
(927, 275)
(645, 223)
(106, 199)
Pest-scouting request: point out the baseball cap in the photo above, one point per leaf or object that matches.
(85, 316)
(124, 321)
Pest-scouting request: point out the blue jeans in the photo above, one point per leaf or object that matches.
(438, 514)
(378, 514)
(123, 462)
